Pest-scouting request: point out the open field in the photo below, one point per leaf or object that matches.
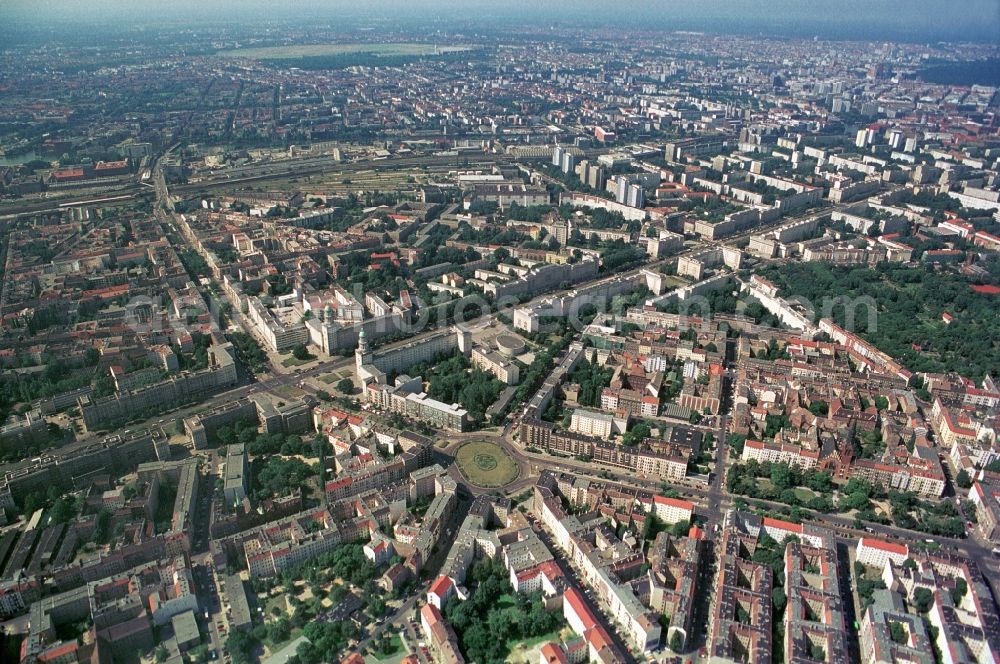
(335, 376)
(292, 361)
(320, 50)
(287, 391)
(673, 281)
(171, 429)
(804, 494)
(486, 464)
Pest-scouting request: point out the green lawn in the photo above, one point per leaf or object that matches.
(292, 361)
(531, 643)
(171, 428)
(804, 494)
(279, 601)
(506, 601)
(486, 464)
(673, 281)
(335, 376)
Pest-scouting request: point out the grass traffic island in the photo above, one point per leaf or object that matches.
(486, 464)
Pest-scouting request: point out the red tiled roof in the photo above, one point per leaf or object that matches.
(553, 654)
(579, 608)
(441, 586)
(430, 614)
(529, 573)
(336, 484)
(783, 525)
(108, 291)
(550, 570)
(598, 638)
(674, 502)
(68, 173)
(58, 651)
(884, 546)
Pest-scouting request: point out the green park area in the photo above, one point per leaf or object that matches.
(497, 625)
(486, 464)
(899, 310)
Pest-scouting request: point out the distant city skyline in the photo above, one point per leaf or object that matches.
(897, 20)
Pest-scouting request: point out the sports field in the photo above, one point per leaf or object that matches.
(320, 50)
(486, 464)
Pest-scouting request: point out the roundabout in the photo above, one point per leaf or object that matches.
(486, 464)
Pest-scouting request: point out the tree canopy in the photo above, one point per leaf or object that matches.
(494, 616)
(909, 303)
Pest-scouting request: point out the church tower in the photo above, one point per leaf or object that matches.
(363, 353)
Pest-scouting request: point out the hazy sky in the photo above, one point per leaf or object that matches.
(916, 20)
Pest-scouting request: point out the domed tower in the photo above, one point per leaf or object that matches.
(363, 354)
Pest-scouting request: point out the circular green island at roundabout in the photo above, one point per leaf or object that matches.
(486, 464)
